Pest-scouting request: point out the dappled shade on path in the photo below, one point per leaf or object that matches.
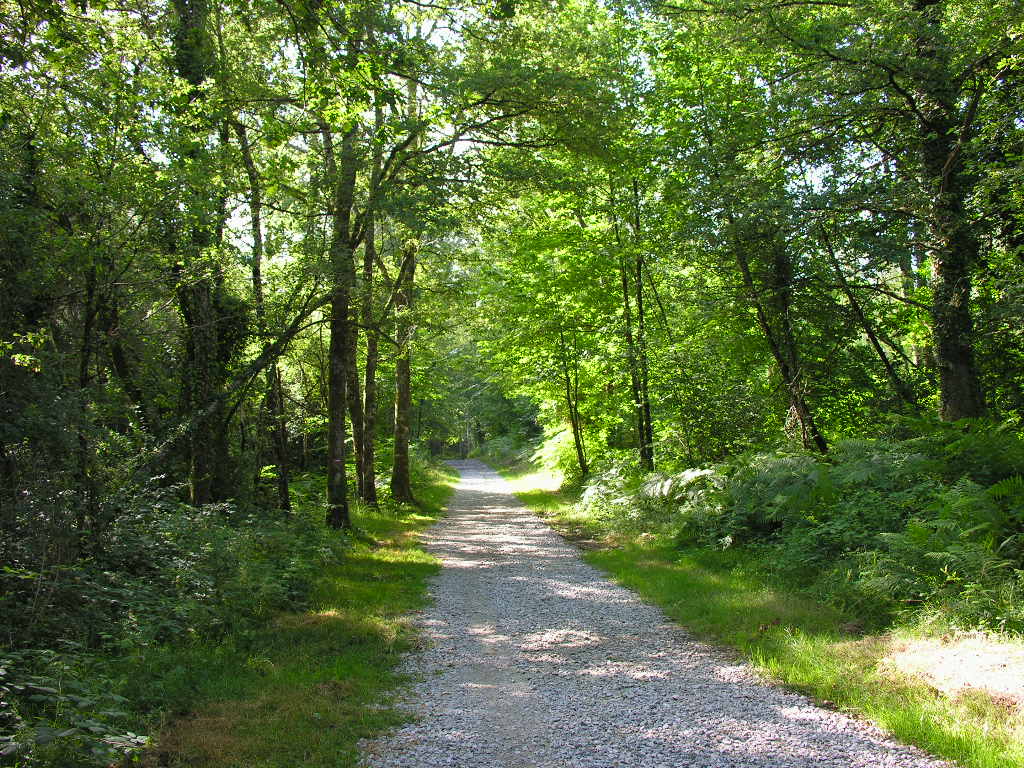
(536, 659)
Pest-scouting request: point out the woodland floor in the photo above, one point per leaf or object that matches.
(957, 664)
(534, 658)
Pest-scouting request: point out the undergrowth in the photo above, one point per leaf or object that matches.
(190, 605)
(931, 522)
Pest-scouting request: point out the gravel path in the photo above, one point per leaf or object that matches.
(538, 660)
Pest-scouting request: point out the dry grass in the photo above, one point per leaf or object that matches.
(964, 664)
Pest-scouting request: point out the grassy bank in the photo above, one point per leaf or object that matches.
(807, 646)
(303, 690)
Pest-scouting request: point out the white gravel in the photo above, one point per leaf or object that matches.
(538, 660)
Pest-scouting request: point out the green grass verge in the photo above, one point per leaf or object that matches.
(306, 688)
(802, 644)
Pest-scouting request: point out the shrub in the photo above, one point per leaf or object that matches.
(504, 450)
(931, 522)
(56, 709)
(166, 573)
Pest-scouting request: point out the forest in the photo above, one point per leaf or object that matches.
(746, 274)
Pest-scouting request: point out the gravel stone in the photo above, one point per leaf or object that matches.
(537, 660)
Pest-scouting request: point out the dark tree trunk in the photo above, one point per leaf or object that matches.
(633, 355)
(369, 457)
(634, 372)
(87, 508)
(773, 315)
(201, 386)
(401, 482)
(343, 275)
(647, 428)
(370, 371)
(337, 483)
(8, 489)
(355, 400)
(634, 375)
(275, 395)
(204, 371)
(944, 131)
(570, 378)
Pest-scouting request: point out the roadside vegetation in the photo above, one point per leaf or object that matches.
(225, 642)
(868, 581)
(746, 273)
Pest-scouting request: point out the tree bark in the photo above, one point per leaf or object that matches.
(87, 509)
(401, 482)
(369, 457)
(777, 327)
(647, 428)
(627, 322)
(203, 373)
(633, 355)
(343, 275)
(275, 396)
(355, 400)
(944, 131)
(369, 486)
(571, 380)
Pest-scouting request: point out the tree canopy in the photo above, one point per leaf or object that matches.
(240, 241)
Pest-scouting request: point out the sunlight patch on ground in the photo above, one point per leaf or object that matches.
(957, 664)
(539, 480)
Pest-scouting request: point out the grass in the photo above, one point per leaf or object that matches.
(802, 644)
(305, 689)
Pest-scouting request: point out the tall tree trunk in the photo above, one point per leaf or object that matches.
(87, 508)
(370, 371)
(343, 275)
(782, 344)
(203, 372)
(275, 396)
(631, 347)
(401, 482)
(355, 400)
(634, 375)
(777, 328)
(570, 378)
(647, 435)
(337, 483)
(944, 131)
(369, 457)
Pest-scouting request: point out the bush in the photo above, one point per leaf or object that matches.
(166, 573)
(504, 450)
(557, 454)
(57, 709)
(932, 522)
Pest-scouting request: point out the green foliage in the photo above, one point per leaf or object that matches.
(168, 570)
(60, 709)
(556, 454)
(303, 689)
(879, 527)
(169, 575)
(504, 451)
